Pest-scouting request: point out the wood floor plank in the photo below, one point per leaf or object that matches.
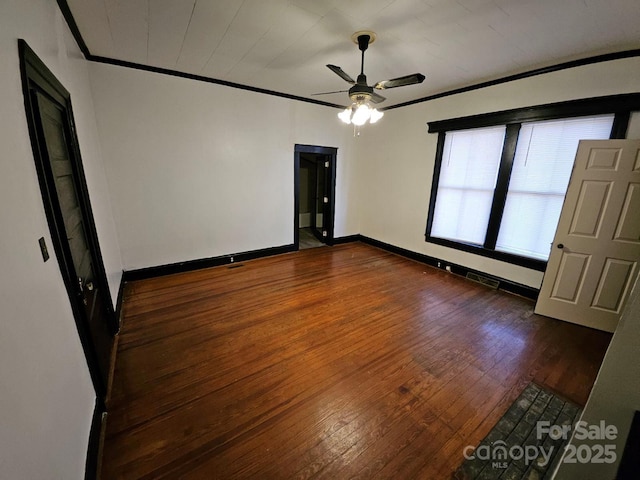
(341, 362)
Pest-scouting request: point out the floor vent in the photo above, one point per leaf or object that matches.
(489, 282)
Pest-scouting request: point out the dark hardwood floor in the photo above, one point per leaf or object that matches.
(341, 362)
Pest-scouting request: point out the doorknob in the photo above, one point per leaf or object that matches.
(560, 245)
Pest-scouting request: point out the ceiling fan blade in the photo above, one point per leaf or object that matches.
(375, 98)
(341, 73)
(329, 93)
(400, 81)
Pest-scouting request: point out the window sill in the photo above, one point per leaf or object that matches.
(532, 263)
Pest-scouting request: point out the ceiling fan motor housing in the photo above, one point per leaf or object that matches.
(360, 93)
(360, 99)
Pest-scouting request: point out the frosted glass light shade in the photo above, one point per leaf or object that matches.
(375, 115)
(345, 115)
(361, 115)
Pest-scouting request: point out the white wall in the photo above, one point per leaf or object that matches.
(397, 167)
(198, 170)
(46, 396)
(615, 396)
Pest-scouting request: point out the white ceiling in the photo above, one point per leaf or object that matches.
(284, 45)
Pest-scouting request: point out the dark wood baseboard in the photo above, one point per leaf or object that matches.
(96, 435)
(347, 239)
(181, 267)
(506, 285)
(118, 314)
(112, 367)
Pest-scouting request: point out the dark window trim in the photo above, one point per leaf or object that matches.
(623, 103)
(502, 185)
(526, 262)
(436, 181)
(620, 125)
(619, 105)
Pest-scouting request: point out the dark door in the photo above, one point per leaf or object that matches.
(320, 213)
(78, 263)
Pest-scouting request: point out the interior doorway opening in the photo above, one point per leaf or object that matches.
(315, 196)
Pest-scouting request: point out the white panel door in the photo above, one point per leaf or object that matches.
(596, 250)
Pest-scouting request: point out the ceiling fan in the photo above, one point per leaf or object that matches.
(361, 93)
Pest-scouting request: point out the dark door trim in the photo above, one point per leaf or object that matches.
(332, 154)
(36, 77)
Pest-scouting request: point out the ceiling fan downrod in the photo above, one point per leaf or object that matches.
(363, 44)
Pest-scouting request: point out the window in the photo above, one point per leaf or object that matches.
(468, 175)
(500, 179)
(539, 180)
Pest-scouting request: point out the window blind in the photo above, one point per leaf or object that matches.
(541, 171)
(468, 174)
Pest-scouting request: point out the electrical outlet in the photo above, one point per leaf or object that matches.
(231, 259)
(439, 265)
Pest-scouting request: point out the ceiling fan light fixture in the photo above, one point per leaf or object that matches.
(361, 93)
(375, 115)
(345, 115)
(361, 115)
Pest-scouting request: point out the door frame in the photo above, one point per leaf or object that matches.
(332, 155)
(37, 77)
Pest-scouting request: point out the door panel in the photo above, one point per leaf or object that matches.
(628, 229)
(54, 136)
(603, 159)
(590, 209)
(595, 254)
(570, 277)
(614, 281)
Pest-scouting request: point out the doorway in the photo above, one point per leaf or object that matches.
(68, 209)
(315, 178)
